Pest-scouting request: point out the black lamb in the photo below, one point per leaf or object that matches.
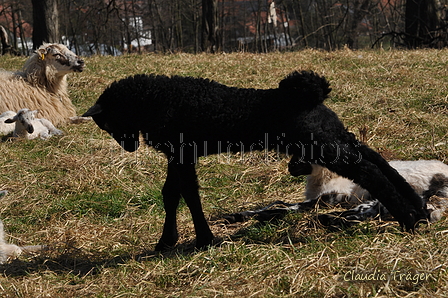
(186, 118)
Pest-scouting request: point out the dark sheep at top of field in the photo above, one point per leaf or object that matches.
(186, 118)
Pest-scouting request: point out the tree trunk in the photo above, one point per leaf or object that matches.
(420, 20)
(209, 25)
(360, 10)
(46, 22)
(6, 47)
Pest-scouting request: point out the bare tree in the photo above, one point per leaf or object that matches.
(361, 9)
(45, 22)
(6, 46)
(421, 22)
(210, 26)
(214, 25)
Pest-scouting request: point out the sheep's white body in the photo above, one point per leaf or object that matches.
(7, 251)
(42, 84)
(322, 181)
(418, 174)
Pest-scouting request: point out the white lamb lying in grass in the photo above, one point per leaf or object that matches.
(321, 181)
(29, 127)
(9, 252)
(429, 178)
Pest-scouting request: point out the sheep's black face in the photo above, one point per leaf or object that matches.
(78, 66)
(128, 139)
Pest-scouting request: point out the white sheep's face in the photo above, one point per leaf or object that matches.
(25, 117)
(62, 59)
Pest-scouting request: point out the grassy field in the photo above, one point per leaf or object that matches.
(99, 209)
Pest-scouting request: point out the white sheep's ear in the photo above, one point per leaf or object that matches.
(94, 110)
(34, 112)
(42, 52)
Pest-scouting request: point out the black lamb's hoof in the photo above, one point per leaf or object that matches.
(204, 242)
(162, 247)
(413, 219)
(165, 245)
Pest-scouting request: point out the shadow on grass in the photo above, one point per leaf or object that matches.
(289, 228)
(79, 262)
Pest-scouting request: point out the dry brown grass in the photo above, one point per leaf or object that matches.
(99, 209)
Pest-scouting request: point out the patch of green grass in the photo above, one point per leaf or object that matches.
(105, 206)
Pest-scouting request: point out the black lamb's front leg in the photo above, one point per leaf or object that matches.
(171, 197)
(189, 187)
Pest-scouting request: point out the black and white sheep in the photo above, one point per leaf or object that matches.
(29, 127)
(42, 84)
(323, 182)
(186, 118)
(427, 177)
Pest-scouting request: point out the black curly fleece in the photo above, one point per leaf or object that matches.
(187, 117)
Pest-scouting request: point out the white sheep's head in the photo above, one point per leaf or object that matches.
(60, 58)
(25, 118)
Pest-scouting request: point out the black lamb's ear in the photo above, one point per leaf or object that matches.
(94, 110)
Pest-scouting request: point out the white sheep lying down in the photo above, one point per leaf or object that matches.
(418, 174)
(429, 178)
(29, 127)
(42, 84)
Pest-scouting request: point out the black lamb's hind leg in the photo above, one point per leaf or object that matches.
(326, 142)
(171, 197)
(397, 180)
(384, 183)
(190, 192)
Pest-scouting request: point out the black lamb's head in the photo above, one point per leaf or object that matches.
(114, 118)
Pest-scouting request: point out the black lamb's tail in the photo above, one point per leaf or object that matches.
(308, 85)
